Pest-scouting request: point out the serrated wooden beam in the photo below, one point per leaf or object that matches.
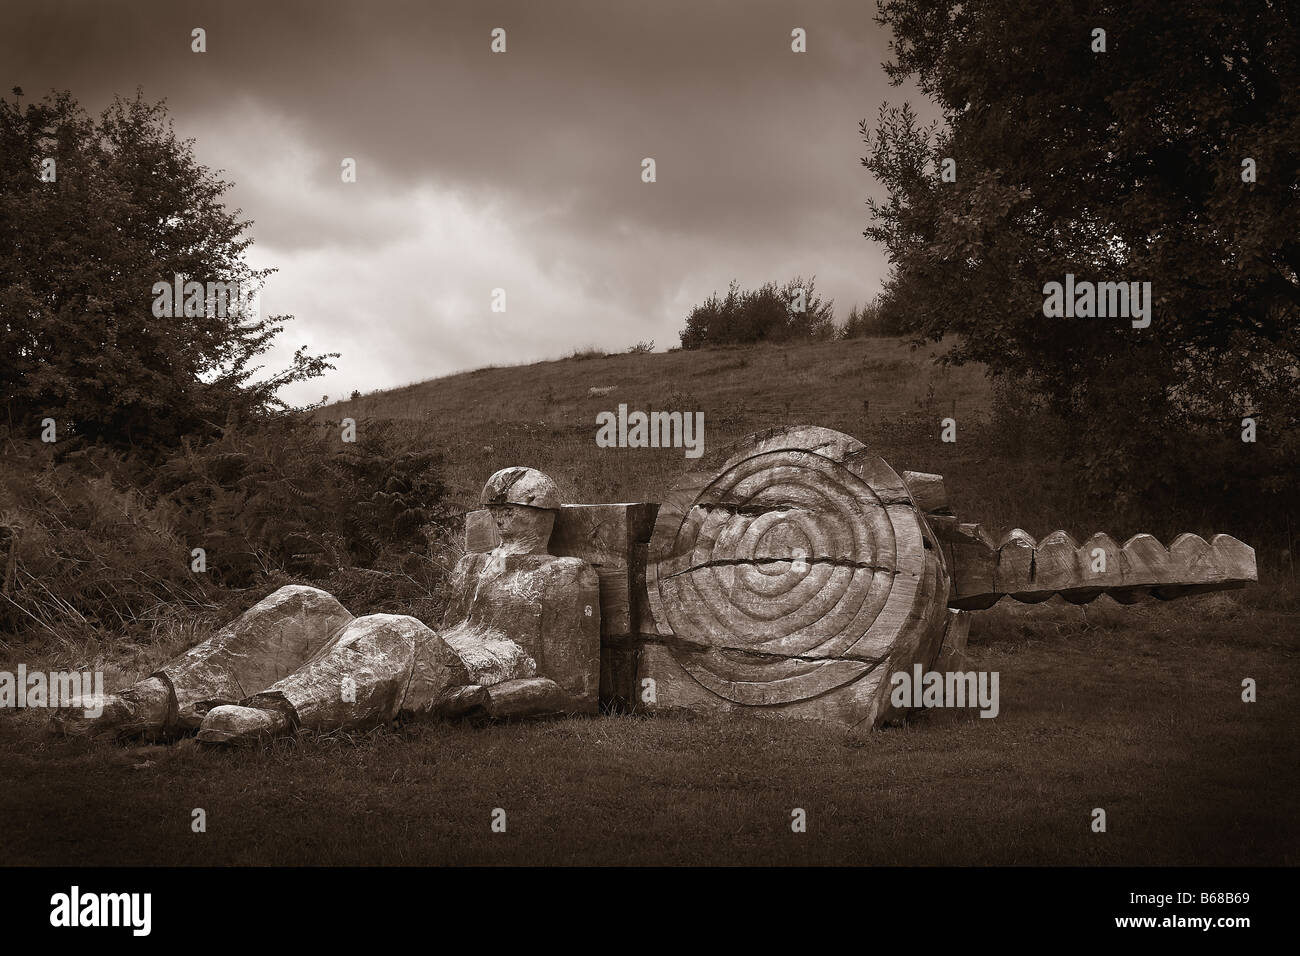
(985, 571)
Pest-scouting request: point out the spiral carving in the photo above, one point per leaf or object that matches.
(788, 571)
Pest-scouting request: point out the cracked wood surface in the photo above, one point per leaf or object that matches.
(793, 573)
(607, 537)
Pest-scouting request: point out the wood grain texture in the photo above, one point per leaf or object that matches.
(790, 572)
(1030, 571)
(928, 491)
(606, 536)
(547, 605)
(267, 642)
(527, 697)
(952, 650)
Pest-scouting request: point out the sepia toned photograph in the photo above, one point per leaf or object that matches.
(750, 434)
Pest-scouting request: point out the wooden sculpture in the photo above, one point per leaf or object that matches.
(793, 573)
(520, 637)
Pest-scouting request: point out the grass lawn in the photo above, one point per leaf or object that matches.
(1135, 710)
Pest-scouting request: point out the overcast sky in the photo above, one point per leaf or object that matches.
(519, 170)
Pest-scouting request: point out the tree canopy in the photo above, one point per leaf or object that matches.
(93, 214)
(1164, 150)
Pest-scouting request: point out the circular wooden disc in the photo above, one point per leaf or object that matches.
(787, 569)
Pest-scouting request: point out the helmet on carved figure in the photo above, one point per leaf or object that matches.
(524, 503)
(521, 486)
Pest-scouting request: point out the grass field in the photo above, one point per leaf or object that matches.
(1135, 710)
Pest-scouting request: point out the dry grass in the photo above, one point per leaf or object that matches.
(1136, 710)
(541, 415)
(1133, 710)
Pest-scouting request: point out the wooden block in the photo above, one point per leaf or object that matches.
(1143, 567)
(927, 490)
(1146, 558)
(1191, 560)
(952, 652)
(1015, 562)
(1056, 563)
(644, 620)
(944, 526)
(604, 536)
(526, 697)
(1233, 561)
(974, 559)
(462, 701)
(1104, 562)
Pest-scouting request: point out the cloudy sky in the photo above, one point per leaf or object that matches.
(519, 170)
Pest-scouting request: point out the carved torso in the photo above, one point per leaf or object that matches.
(547, 607)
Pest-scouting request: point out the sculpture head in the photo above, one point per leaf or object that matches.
(523, 503)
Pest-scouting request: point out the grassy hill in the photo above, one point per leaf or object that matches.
(541, 414)
(879, 390)
(1136, 710)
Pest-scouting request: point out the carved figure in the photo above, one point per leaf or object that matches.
(520, 636)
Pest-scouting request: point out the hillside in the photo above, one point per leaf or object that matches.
(1128, 708)
(881, 391)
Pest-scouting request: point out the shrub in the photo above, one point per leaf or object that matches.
(870, 319)
(291, 496)
(84, 553)
(766, 314)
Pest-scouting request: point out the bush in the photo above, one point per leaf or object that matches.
(291, 496)
(85, 551)
(870, 320)
(767, 314)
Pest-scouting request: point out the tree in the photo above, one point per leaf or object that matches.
(867, 320)
(1124, 165)
(93, 213)
(770, 313)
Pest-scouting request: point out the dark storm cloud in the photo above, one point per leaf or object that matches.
(519, 170)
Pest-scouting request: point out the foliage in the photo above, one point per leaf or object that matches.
(87, 548)
(83, 552)
(870, 319)
(291, 496)
(1125, 165)
(129, 206)
(770, 313)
